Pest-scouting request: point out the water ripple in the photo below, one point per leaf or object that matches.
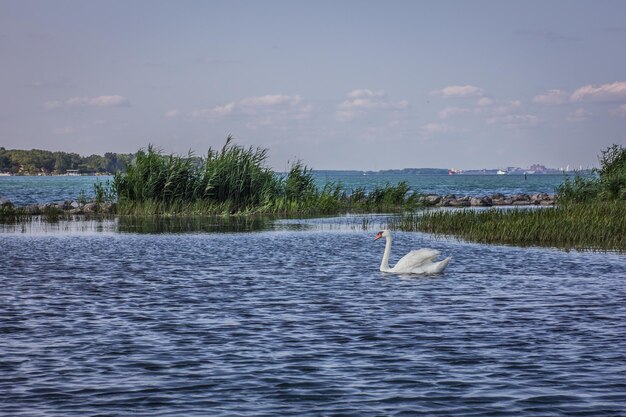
(302, 323)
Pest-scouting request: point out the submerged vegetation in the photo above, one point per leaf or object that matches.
(591, 214)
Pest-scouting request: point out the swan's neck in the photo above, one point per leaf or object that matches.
(384, 265)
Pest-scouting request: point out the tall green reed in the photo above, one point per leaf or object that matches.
(606, 183)
(600, 225)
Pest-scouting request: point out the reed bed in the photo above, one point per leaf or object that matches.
(598, 226)
(590, 214)
(235, 180)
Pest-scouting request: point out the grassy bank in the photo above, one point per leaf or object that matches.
(590, 214)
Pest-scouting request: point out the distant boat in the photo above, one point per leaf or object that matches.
(5, 174)
(454, 171)
(501, 172)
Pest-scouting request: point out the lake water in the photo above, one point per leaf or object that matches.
(292, 317)
(257, 317)
(29, 190)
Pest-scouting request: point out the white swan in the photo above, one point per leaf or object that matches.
(420, 261)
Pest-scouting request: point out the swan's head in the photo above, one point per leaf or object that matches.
(382, 233)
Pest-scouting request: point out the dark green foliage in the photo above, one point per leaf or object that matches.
(300, 183)
(236, 176)
(104, 192)
(382, 198)
(38, 161)
(606, 183)
(358, 196)
(234, 180)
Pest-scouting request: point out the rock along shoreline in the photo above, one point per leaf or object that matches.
(67, 207)
(428, 200)
(538, 199)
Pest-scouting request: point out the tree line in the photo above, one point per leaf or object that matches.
(38, 161)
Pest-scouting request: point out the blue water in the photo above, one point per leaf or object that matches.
(31, 190)
(294, 318)
(24, 190)
(459, 185)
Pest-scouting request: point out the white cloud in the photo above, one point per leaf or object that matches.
(217, 111)
(171, 113)
(53, 104)
(366, 93)
(458, 91)
(250, 105)
(347, 115)
(507, 108)
(224, 110)
(432, 128)
(484, 101)
(99, 101)
(452, 111)
(514, 121)
(579, 115)
(361, 102)
(280, 120)
(275, 111)
(620, 111)
(552, 98)
(496, 111)
(270, 100)
(604, 92)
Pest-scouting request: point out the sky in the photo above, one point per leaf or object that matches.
(364, 85)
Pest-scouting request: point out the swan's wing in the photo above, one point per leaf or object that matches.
(416, 258)
(431, 268)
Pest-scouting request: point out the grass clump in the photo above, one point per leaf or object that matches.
(607, 183)
(235, 180)
(227, 181)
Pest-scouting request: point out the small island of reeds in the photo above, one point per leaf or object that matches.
(236, 181)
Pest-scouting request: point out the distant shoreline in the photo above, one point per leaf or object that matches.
(409, 171)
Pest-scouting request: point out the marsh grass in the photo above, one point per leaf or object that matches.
(236, 180)
(590, 214)
(10, 214)
(597, 226)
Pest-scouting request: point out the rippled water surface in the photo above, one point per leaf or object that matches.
(297, 320)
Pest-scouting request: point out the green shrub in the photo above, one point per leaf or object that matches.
(606, 183)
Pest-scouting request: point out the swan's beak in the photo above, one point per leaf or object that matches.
(378, 236)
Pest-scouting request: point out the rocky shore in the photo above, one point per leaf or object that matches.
(430, 200)
(67, 207)
(539, 199)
